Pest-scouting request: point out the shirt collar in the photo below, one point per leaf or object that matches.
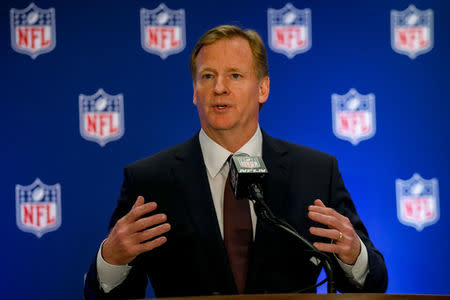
(215, 155)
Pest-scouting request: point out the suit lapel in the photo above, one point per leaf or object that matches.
(275, 187)
(276, 183)
(191, 178)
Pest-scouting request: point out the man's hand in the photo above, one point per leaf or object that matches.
(346, 244)
(126, 239)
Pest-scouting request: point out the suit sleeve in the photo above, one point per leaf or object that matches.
(377, 279)
(135, 284)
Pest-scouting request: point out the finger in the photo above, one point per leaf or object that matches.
(150, 245)
(326, 233)
(332, 248)
(151, 233)
(319, 202)
(148, 222)
(139, 201)
(324, 219)
(327, 211)
(141, 210)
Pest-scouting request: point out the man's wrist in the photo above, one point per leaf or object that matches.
(360, 269)
(110, 276)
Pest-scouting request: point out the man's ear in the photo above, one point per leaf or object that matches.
(194, 100)
(264, 88)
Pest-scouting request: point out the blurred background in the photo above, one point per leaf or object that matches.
(84, 46)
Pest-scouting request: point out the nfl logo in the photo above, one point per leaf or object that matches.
(101, 117)
(163, 30)
(417, 201)
(353, 116)
(38, 207)
(248, 162)
(33, 30)
(412, 31)
(289, 30)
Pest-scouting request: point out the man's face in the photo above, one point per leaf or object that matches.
(227, 92)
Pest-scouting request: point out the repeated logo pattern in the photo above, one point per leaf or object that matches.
(33, 30)
(38, 207)
(163, 31)
(289, 30)
(353, 116)
(101, 117)
(412, 31)
(417, 201)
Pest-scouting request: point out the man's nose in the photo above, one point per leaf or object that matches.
(220, 86)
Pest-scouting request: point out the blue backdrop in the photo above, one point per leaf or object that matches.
(98, 45)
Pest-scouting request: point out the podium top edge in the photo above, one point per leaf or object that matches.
(349, 296)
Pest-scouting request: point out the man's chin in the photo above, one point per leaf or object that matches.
(221, 124)
(222, 128)
(218, 128)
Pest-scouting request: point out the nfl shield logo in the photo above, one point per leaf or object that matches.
(353, 116)
(417, 201)
(101, 117)
(163, 30)
(412, 31)
(33, 30)
(38, 207)
(289, 30)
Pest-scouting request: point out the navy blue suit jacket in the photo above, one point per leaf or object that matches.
(194, 260)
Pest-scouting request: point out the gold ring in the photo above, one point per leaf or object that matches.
(340, 236)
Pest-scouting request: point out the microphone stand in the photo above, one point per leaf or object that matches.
(263, 211)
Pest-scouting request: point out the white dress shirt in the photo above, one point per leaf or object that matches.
(215, 158)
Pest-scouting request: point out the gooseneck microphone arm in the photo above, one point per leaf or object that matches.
(264, 212)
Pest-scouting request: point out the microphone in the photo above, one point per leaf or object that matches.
(246, 176)
(246, 170)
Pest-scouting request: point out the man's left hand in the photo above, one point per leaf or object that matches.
(346, 244)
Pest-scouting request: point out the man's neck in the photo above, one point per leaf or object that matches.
(231, 139)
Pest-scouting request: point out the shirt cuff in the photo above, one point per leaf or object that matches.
(359, 271)
(110, 276)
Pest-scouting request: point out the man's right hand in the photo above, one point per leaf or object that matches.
(128, 238)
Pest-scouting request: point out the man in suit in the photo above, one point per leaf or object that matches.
(176, 224)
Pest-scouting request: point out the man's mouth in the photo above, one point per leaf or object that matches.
(221, 106)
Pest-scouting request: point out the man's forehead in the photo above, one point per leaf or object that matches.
(228, 53)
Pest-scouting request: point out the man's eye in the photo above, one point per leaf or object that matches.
(207, 76)
(236, 76)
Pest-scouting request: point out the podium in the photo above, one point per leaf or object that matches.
(316, 297)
